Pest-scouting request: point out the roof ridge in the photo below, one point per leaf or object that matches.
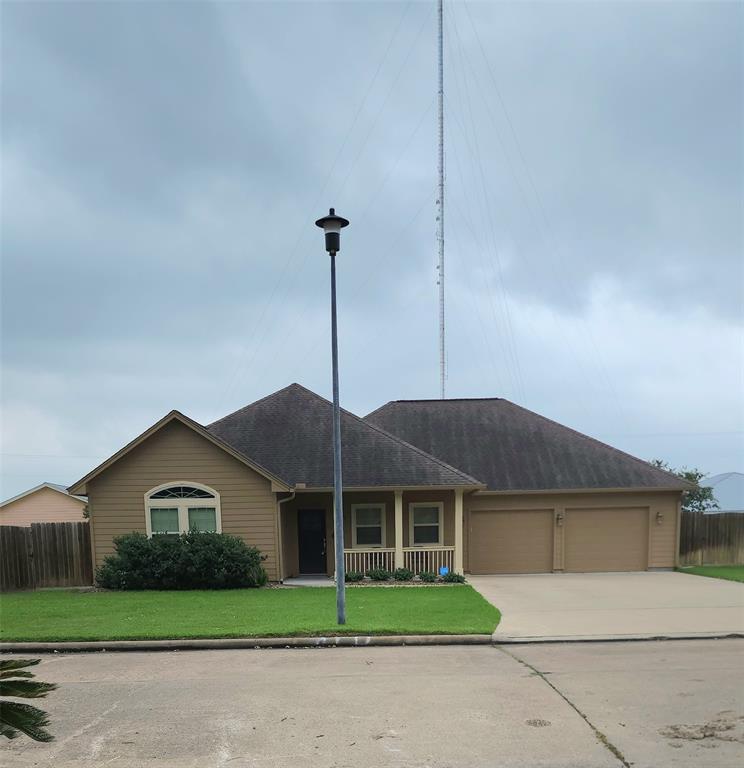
(255, 402)
(397, 439)
(645, 464)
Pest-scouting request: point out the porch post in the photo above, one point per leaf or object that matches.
(458, 530)
(399, 529)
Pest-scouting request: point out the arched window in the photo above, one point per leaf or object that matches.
(176, 508)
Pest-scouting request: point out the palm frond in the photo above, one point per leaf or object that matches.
(25, 689)
(24, 718)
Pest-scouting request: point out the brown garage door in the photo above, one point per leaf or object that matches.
(606, 539)
(511, 541)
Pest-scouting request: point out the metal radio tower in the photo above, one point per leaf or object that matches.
(440, 200)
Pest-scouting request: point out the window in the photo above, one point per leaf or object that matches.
(368, 525)
(426, 524)
(177, 508)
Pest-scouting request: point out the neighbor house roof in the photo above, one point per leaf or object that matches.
(512, 449)
(51, 486)
(728, 489)
(290, 433)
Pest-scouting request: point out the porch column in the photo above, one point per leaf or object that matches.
(458, 530)
(399, 529)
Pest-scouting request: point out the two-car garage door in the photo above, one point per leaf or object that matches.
(529, 541)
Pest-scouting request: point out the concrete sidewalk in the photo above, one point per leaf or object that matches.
(597, 606)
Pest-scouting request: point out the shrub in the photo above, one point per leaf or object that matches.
(191, 561)
(453, 578)
(378, 574)
(428, 576)
(402, 574)
(353, 576)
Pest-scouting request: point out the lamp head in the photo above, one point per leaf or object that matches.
(332, 226)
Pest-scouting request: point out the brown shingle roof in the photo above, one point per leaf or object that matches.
(511, 448)
(290, 434)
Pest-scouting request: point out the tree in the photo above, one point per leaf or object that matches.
(17, 718)
(701, 499)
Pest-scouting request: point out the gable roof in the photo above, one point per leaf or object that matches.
(80, 485)
(51, 486)
(290, 433)
(513, 449)
(728, 489)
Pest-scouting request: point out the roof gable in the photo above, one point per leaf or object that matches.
(290, 433)
(513, 449)
(80, 485)
(51, 486)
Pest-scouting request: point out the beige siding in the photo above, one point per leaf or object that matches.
(43, 506)
(177, 453)
(660, 509)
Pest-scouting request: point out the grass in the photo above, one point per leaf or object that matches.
(70, 615)
(728, 572)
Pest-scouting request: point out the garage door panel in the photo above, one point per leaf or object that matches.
(511, 541)
(606, 539)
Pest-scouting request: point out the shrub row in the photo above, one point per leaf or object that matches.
(403, 574)
(190, 561)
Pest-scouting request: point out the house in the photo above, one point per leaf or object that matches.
(728, 490)
(480, 485)
(45, 503)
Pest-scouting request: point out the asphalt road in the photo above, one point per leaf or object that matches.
(646, 705)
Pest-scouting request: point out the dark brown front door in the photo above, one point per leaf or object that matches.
(311, 535)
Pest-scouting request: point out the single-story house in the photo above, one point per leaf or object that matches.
(479, 485)
(45, 503)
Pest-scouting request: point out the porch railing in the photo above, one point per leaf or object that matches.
(420, 559)
(363, 560)
(417, 559)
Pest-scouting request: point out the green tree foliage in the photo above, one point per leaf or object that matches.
(700, 499)
(15, 717)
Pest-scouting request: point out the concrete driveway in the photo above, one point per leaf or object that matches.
(600, 705)
(613, 605)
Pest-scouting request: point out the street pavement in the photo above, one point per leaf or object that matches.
(580, 705)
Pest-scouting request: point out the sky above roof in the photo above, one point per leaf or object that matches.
(163, 166)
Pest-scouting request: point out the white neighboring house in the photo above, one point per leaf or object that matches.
(46, 503)
(728, 489)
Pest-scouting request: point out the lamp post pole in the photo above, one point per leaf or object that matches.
(332, 225)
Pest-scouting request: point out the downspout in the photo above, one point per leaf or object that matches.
(280, 547)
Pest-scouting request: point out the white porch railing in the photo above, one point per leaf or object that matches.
(363, 560)
(419, 559)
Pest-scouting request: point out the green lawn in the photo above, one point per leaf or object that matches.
(730, 572)
(69, 615)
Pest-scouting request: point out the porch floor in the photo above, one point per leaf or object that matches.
(309, 581)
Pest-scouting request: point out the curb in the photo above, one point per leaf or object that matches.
(515, 640)
(344, 641)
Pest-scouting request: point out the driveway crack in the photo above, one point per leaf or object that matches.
(600, 736)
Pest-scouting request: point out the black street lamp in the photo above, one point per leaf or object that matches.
(332, 226)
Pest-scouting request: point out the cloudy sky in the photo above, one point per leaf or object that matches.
(163, 164)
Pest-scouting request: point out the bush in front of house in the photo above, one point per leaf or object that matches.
(354, 576)
(379, 574)
(190, 561)
(403, 574)
(428, 576)
(453, 578)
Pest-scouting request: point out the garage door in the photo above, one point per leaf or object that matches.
(507, 541)
(606, 539)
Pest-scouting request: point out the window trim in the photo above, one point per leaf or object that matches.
(440, 523)
(383, 533)
(182, 505)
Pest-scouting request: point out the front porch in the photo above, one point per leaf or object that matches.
(421, 530)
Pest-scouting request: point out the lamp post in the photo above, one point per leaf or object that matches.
(332, 226)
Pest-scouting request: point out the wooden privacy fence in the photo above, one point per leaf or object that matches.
(711, 539)
(45, 555)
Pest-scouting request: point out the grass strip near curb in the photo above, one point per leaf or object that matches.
(728, 572)
(56, 616)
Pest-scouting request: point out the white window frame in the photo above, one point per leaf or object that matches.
(182, 505)
(440, 523)
(383, 534)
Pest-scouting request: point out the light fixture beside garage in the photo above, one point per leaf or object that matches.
(659, 517)
(559, 519)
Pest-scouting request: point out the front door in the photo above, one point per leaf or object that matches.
(311, 535)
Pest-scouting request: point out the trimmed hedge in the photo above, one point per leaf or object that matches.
(190, 561)
(353, 576)
(379, 574)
